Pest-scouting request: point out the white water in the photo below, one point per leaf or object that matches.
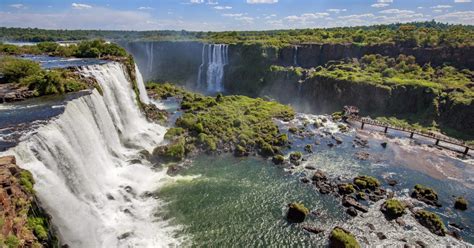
(141, 87)
(295, 56)
(217, 59)
(85, 176)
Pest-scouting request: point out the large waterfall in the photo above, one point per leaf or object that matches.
(211, 70)
(89, 173)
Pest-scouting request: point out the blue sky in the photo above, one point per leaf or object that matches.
(218, 15)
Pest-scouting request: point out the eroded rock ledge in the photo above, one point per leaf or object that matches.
(23, 223)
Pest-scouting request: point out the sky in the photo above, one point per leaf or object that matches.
(220, 15)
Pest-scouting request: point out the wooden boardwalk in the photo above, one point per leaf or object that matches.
(437, 138)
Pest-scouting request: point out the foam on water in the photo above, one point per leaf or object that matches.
(88, 173)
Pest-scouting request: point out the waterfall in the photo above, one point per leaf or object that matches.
(295, 55)
(213, 64)
(141, 86)
(89, 173)
(150, 57)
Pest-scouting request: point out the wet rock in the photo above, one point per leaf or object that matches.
(337, 139)
(361, 155)
(330, 144)
(313, 229)
(371, 226)
(295, 157)
(174, 170)
(361, 142)
(391, 182)
(426, 195)
(400, 222)
(304, 180)
(362, 196)
(366, 182)
(345, 188)
(297, 212)
(110, 197)
(324, 188)
(351, 211)
(456, 226)
(392, 209)
(460, 203)
(308, 148)
(384, 144)
(349, 201)
(278, 159)
(125, 235)
(421, 244)
(456, 235)
(340, 237)
(319, 176)
(431, 221)
(381, 236)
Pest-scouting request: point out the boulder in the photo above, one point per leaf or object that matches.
(297, 212)
(366, 182)
(426, 195)
(278, 159)
(460, 203)
(393, 209)
(345, 188)
(351, 211)
(384, 144)
(431, 221)
(341, 238)
(313, 229)
(349, 201)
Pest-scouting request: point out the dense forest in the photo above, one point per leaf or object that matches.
(426, 34)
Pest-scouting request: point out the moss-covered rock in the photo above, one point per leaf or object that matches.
(295, 156)
(460, 203)
(431, 221)
(297, 212)
(393, 208)
(340, 238)
(278, 159)
(345, 188)
(173, 152)
(426, 195)
(308, 148)
(174, 133)
(366, 182)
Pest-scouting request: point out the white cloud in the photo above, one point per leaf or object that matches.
(462, 17)
(307, 17)
(145, 8)
(442, 7)
(80, 6)
(379, 5)
(17, 6)
(233, 15)
(462, 1)
(262, 1)
(368, 15)
(396, 11)
(196, 1)
(245, 19)
(337, 11)
(222, 7)
(384, 1)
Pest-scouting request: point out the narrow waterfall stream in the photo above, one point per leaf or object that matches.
(89, 173)
(211, 70)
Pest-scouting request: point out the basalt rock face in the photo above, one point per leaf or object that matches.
(20, 211)
(311, 55)
(176, 62)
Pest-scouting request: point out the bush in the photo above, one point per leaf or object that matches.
(38, 225)
(364, 182)
(431, 221)
(14, 70)
(27, 181)
(393, 208)
(341, 238)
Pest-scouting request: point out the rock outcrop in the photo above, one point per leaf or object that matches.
(23, 222)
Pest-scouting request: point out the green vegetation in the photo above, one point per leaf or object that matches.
(393, 208)
(173, 133)
(39, 227)
(240, 123)
(342, 238)
(366, 182)
(85, 49)
(278, 159)
(297, 212)
(295, 156)
(12, 241)
(426, 34)
(460, 203)
(346, 188)
(173, 152)
(42, 82)
(426, 192)
(388, 72)
(27, 181)
(431, 221)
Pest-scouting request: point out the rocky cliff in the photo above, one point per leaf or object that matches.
(22, 222)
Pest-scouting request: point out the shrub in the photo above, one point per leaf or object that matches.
(342, 239)
(393, 208)
(364, 182)
(431, 221)
(14, 70)
(38, 225)
(27, 181)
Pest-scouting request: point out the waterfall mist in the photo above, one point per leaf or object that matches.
(89, 171)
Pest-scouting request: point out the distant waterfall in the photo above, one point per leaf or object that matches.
(150, 54)
(211, 70)
(89, 173)
(295, 55)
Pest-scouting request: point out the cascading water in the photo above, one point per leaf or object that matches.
(212, 67)
(88, 171)
(141, 87)
(295, 55)
(150, 57)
